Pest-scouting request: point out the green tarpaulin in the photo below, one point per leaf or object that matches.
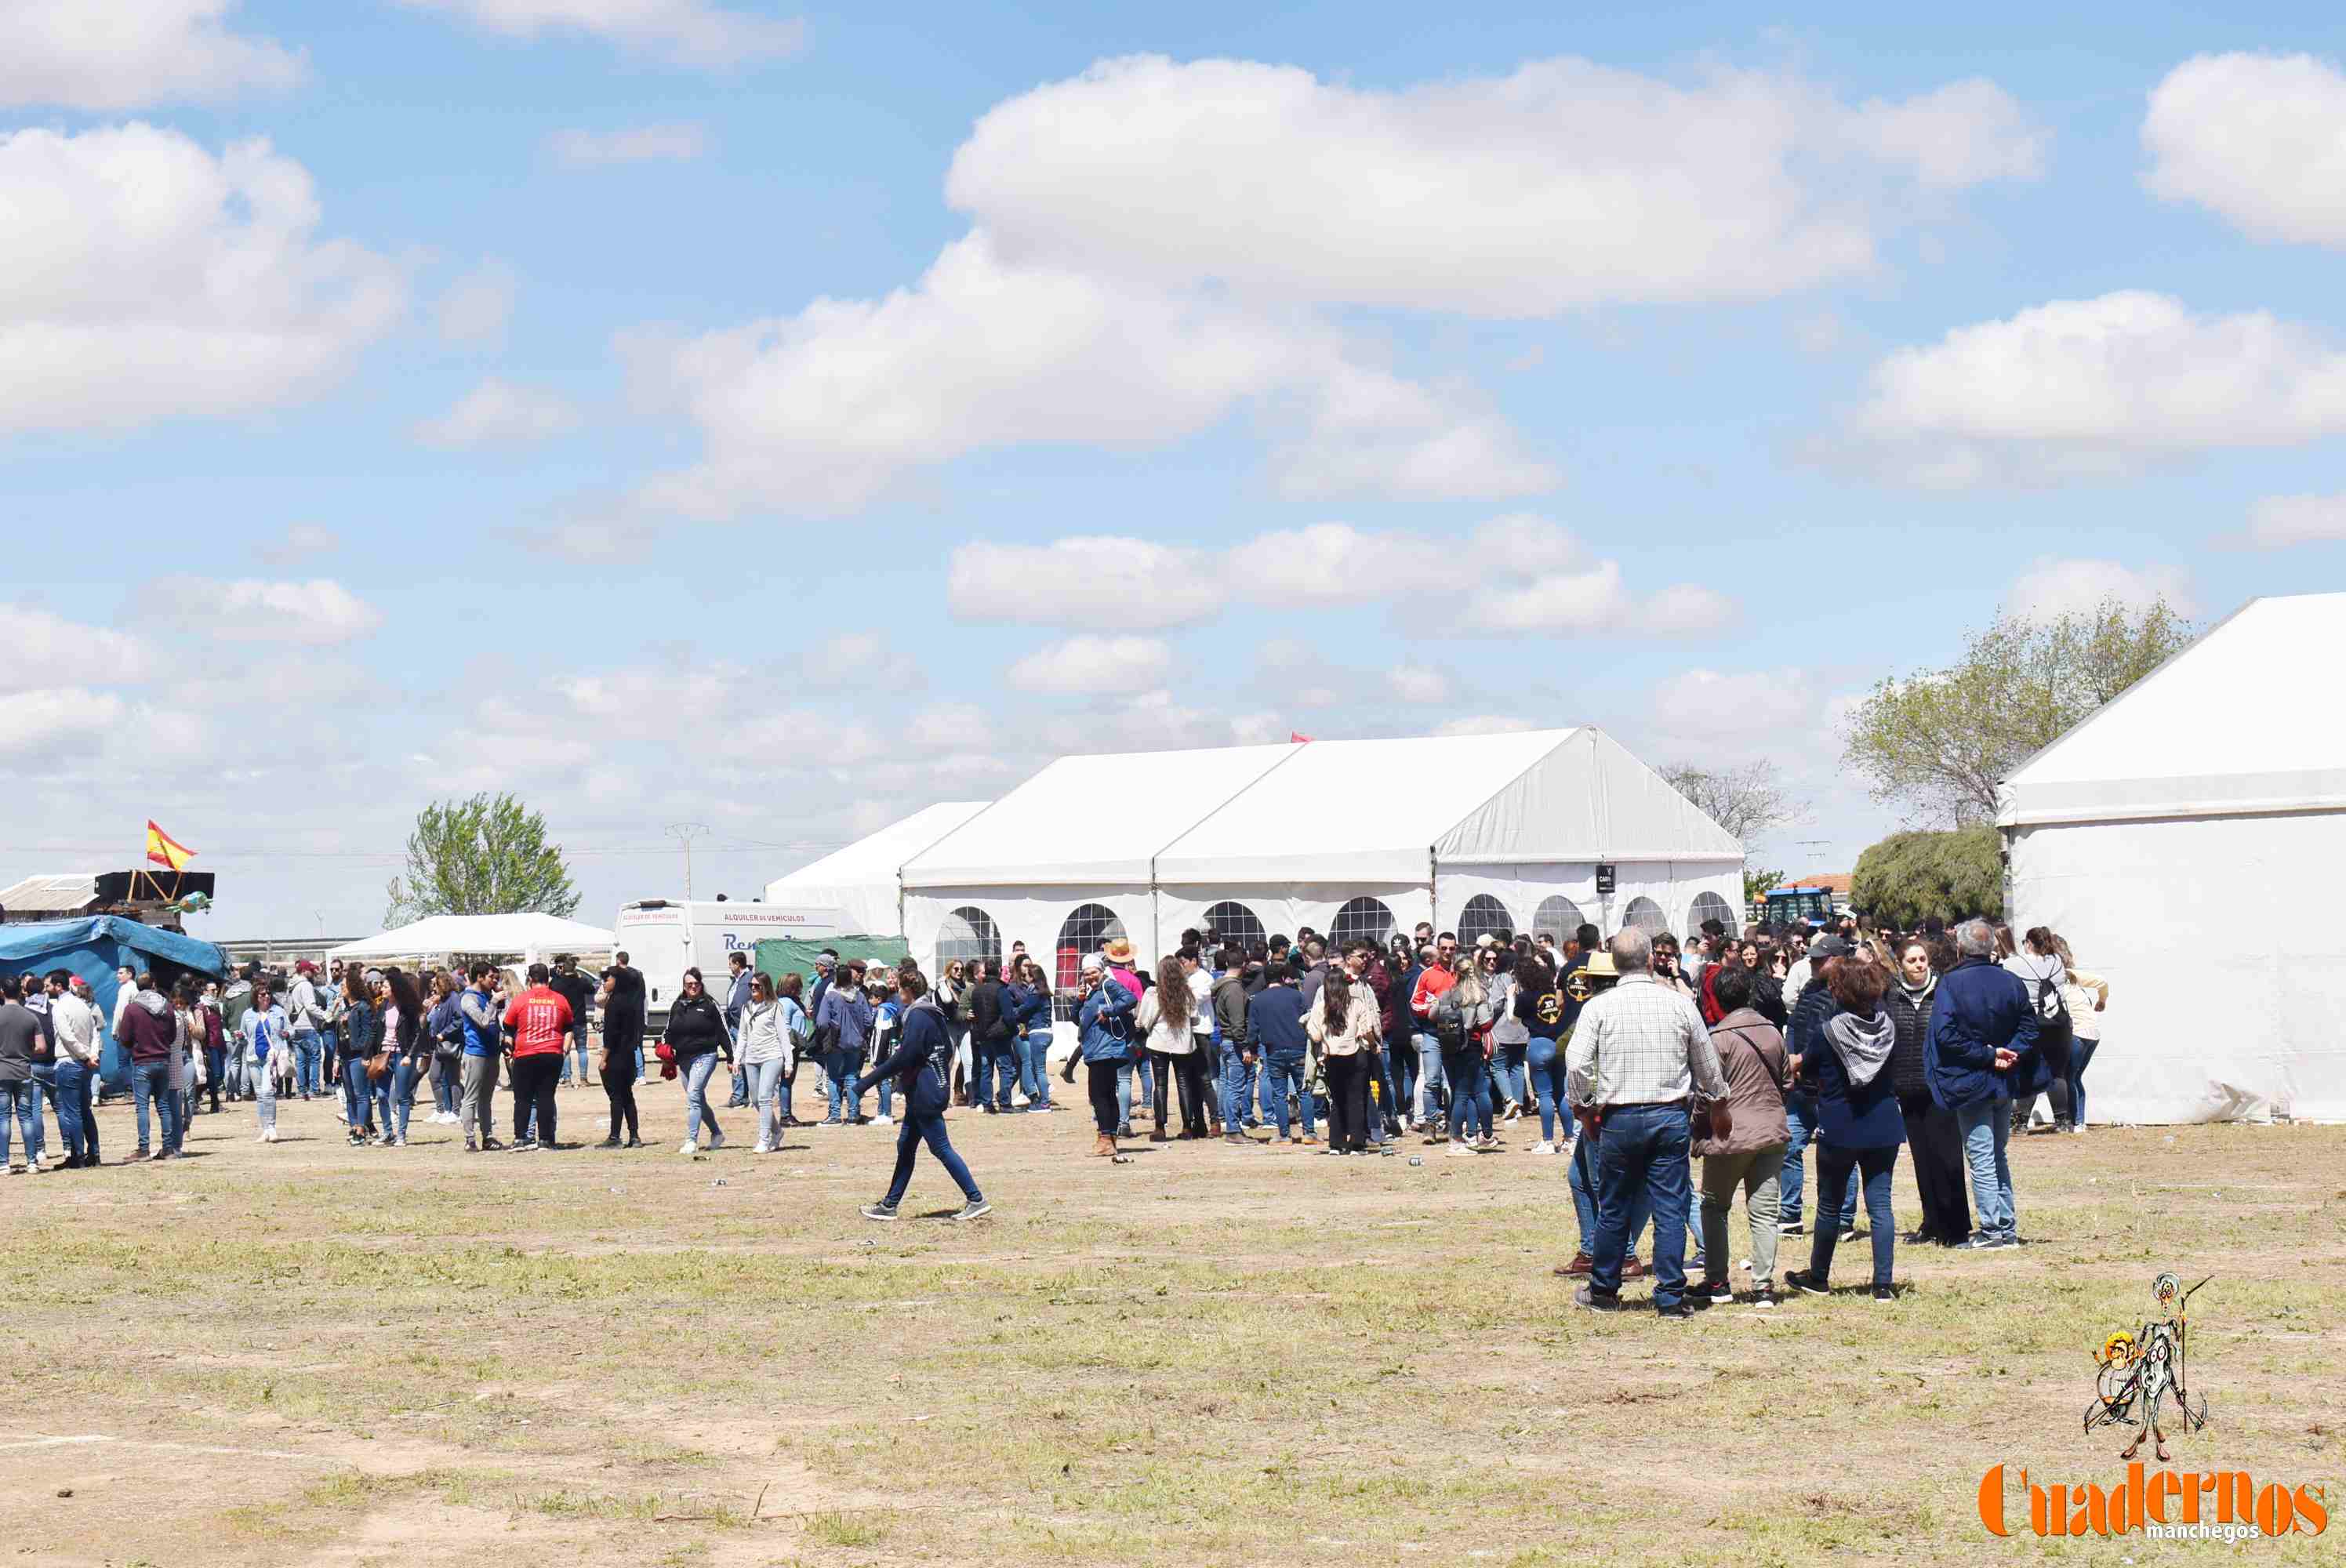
(780, 956)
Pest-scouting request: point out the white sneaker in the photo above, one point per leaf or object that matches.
(1543, 1147)
(263, 1137)
(763, 1147)
(716, 1141)
(270, 1137)
(1458, 1146)
(689, 1147)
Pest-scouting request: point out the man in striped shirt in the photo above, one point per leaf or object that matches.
(1638, 1061)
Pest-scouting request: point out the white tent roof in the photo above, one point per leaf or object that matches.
(860, 878)
(1374, 811)
(1366, 812)
(2220, 729)
(1091, 820)
(531, 935)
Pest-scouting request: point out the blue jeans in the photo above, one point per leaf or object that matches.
(1642, 1153)
(23, 1101)
(1430, 1081)
(2081, 1055)
(77, 1118)
(769, 1092)
(1581, 1178)
(1035, 1068)
(402, 1096)
(444, 1085)
(1507, 1072)
(1876, 1165)
(1544, 1067)
(308, 1079)
(1464, 1070)
(929, 1127)
(152, 1081)
(1281, 1076)
(697, 1114)
(741, 1095)
(1124, 1075)
(1235, 1102)
(1985, 1127)
(997, 1074)
(44, 1088)
(358, 1100)
(1801, 1124)
(577, 1049)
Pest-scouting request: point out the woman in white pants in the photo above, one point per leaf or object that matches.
(265, 1043)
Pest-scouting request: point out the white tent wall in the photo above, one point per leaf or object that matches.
(1034, 915)
(1285, 908)
(1522, 889)
(2224, 977)
(862, 880)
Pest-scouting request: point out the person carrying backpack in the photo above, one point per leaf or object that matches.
(922, 1066)
(2045, 977)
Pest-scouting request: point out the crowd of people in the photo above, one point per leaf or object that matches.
(1741, 1051)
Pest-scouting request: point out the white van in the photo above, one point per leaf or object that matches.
(664, 936)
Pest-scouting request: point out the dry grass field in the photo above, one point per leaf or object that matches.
(307, 1354)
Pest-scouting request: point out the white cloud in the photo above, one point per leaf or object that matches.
(2053, 586)
(633, 144)
(150, 279)
(690, 32)
(499, 412)
(2101, 386)
(250, 610)
(863, 661)
(818, 413)
(53, 717)
(1562, 185)
(126, 53)
(1094, 664)
(477, 306)
(144, 279)
(2260, 139)
(46, 649)
(1418, 683)
(1555, 584)
(1135, 583)
(298, 543)
(2279, 520)
(1738, 705)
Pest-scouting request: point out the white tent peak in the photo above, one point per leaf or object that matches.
(861, 879)
(2214, 730)
(530, 935)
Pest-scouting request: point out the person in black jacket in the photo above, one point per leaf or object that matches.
(696, 1037)
(1930, 1131)
(990, 1036)
(921, 1062)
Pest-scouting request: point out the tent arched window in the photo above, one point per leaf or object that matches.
(1363, 919)
(1645, 915)
(1557, 917)
(967, 933)
(1710, 906)
(1087, 925)
(1484, 916)
(1230, 922)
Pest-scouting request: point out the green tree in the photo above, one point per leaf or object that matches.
(1757, 883)
(487, 855)
(1749, 802)
(1910, 876)
(1940, 741)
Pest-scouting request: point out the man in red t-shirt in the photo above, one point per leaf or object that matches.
(537, 1021)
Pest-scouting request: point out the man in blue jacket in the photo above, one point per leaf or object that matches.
(1980, 1048)
(920, 1062)
(1275, 1026)
(1103, 1010)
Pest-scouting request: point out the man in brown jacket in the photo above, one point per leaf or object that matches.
(1751, 1154)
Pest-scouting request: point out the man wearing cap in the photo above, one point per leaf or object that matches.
(1804, 1031)
(306, 1009)
(1638, 1060)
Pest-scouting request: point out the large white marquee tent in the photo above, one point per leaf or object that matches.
(2184, 840)
(530, 937)
(861, 879)
(1349, 837)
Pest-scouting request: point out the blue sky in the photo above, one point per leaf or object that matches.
(683, 412)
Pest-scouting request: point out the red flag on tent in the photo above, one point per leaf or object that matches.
(1293, 738)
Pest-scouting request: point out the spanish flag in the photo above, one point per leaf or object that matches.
(166, 850)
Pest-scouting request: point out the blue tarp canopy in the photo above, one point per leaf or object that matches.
(93, 948)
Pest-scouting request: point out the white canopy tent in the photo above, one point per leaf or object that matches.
(1349, 837)
(2184, 840)
(530, 937)
(861, 879)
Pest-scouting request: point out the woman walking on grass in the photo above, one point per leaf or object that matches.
(266, 1041)
(361, 1038)
(921, 1063)
(696, 1037)
(410, 1042)
(768, 1045)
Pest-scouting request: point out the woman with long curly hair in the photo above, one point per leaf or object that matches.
(1164, 1022)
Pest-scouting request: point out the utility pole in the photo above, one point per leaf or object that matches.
(684, 832)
